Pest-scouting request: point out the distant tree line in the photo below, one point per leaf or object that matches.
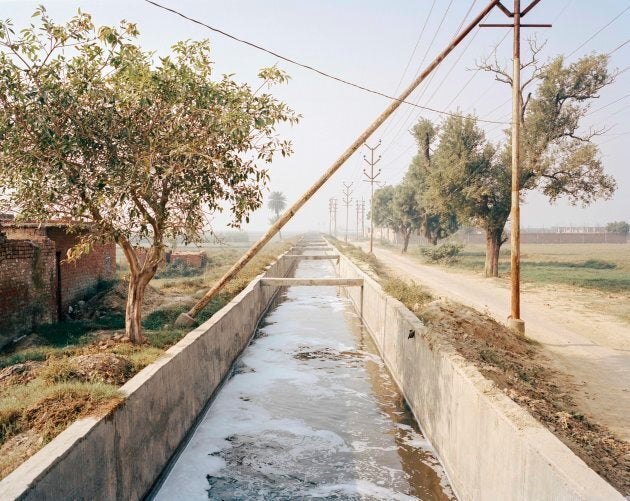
(458, 177)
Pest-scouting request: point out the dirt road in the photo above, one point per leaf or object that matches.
(592, 347)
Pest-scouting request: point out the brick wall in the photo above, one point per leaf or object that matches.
(81, 276)
(28, 282)
(194, 259)
(555, 238)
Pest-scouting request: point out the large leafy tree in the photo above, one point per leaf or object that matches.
(95, 130)
(558, 155)
(471, 181)
(396, 207)
(434, 224)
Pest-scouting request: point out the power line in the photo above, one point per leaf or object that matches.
(413, 52)
(409, 112)
(618, 47)
(600, 30)
(496, 47)
(303, 65)
(607, 105)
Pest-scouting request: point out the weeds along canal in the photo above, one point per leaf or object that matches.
(310, 412)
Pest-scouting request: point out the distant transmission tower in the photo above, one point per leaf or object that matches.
(371, 178)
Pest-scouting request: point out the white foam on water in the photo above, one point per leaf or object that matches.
(299, 419)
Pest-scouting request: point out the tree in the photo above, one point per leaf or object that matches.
(406, 213)
(433, 225)
(396, 207)
(620, 227)
(470, 181)
(277, 203)
(557, 158)
(95, 131)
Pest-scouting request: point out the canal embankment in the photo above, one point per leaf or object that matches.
(491, 448)
(120, 455)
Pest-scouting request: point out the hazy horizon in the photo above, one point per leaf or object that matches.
(370, 43)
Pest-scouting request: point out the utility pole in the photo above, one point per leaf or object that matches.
(514, 320)
(188, 318)
(334, 211)
(371, 178)
(347, 200)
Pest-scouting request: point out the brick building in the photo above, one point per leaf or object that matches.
(37, 283)
(195, 259)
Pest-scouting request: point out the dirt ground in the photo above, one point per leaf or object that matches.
(73, 369)
(520, 367)
(578, 338)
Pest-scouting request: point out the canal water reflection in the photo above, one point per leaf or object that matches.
(309, 413)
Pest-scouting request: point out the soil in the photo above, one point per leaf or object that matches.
(101, 367)
(19, 373)
(521, 370)
(114, 300)
(574, 331)
(521, 367)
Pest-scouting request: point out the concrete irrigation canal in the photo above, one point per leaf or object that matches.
(310, 412)
(294, 390)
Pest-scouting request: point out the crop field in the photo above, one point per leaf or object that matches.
(605, 267)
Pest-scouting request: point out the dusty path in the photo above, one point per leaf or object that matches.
(593, 348)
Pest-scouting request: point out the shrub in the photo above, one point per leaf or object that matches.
(410, 294)
(445, 253)
(178, 269)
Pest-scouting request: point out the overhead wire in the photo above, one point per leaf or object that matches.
(413, 52)
(618, 47)
(405, 113)
(302, 65)
(409, 113)
(476, 72)
(599, 31)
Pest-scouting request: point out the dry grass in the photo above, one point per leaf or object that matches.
(75, 368)
(518, 367)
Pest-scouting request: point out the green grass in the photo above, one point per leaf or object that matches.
(604, 267)
(71, 332)
(31, 354)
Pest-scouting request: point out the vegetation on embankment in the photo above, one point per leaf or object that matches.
(73, 369)
(516, 365)
(604, 267)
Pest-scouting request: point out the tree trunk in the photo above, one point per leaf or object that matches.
(406, 241)
(494, 240)
(133, 313)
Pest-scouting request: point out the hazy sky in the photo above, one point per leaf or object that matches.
(370, 43)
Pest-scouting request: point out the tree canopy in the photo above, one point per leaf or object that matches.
(95, 130)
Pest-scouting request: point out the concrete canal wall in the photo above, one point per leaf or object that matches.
(491, 448)
(121, 455)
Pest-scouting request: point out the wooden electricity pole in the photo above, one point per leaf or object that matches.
(347, 200)
(514, 320)
(188, 318)
(371, 178)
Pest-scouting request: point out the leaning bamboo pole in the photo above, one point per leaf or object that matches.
(187, 319)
